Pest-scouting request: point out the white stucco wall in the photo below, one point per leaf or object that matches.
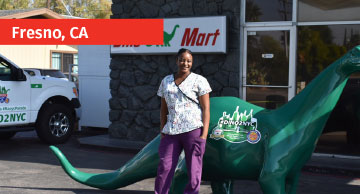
(94, 80)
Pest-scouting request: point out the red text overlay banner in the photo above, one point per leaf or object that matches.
(81, 31)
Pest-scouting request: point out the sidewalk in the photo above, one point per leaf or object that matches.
(319, 163)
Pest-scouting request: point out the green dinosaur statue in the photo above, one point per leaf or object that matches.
(283, 140)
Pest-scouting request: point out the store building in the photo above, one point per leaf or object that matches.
(39, 56)
(274, 48)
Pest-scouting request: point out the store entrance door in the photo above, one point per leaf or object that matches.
(269, 66)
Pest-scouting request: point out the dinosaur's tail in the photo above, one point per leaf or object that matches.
(142, 166)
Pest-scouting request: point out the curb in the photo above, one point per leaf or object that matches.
(330, 171)
(105, 142)
(334, 164)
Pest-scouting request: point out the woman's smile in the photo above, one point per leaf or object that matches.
(184, 62)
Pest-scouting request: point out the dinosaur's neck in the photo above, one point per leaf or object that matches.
(308, 112)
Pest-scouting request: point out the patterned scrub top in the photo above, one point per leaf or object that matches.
(184, 114)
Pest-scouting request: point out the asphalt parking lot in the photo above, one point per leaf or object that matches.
(27, 167)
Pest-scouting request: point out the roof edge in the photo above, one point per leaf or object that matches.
(42, 11)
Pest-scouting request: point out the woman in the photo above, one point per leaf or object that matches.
(184, 123)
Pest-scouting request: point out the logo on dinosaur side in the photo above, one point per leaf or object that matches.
(238, 128)
(4, 95)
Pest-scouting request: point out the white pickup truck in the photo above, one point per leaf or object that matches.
(29, 101)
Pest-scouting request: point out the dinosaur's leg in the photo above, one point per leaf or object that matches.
(222, 187)
(272, 176)
(292, 183)
(271, 183)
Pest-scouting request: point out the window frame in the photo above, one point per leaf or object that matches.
(62, 57)
(271, 23)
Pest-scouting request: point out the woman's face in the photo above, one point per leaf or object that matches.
(184, 62)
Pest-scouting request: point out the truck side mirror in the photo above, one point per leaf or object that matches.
(20, 76)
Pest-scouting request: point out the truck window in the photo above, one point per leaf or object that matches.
(5, 72)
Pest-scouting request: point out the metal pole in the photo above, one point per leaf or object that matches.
(66, 7)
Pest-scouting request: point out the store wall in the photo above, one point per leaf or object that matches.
(134, 105)
(94, 80)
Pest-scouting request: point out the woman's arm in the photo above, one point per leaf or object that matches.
(163, 114)
(205, 106)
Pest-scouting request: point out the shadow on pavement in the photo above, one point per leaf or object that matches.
(78, 191)
(309, 183)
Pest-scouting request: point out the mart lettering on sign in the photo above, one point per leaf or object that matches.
(192, 36)
(12, 118)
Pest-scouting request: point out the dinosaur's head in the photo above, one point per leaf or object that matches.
(351, 61)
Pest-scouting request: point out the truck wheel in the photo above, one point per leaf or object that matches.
(55, 124)
(7, 135)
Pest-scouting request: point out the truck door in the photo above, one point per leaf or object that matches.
(14, 96)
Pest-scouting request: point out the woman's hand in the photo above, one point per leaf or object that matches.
(203, 137)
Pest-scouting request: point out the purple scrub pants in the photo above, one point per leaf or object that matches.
(169, 151)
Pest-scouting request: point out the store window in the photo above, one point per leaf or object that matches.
(268, 58)
(268, 10)
(329, 10)
(62, 61)
(267, 68)
(319, 46)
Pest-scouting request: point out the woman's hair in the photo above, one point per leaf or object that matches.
(181, 51)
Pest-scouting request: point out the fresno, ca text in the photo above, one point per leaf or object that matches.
(23, 33)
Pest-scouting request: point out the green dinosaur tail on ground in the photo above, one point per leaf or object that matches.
(133, 171)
